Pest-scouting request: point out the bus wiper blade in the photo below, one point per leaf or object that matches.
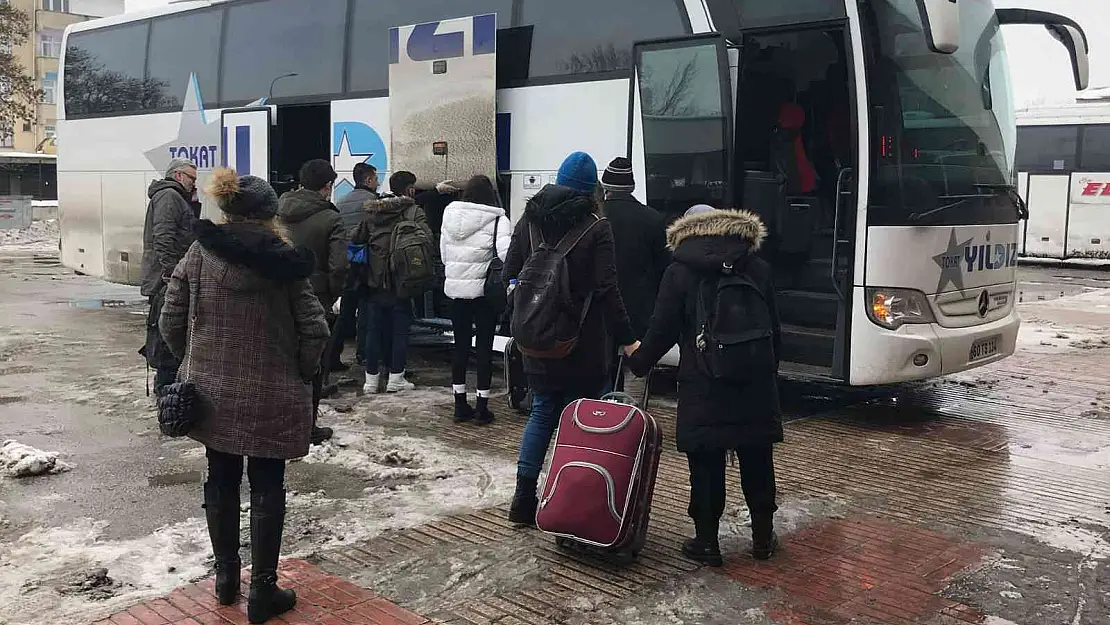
(934, 211)
(1011, 192)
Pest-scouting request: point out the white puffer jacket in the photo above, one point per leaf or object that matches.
(467, 246)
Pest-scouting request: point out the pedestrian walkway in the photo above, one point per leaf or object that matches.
(948, 502)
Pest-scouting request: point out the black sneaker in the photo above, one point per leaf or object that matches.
(482, 414)
(320, 434)
(463, 411)
(763, 547)
(703, 552)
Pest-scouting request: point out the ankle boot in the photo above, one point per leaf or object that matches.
(482, 415)
(266, 600)
(764, 539)
(704, 546)
(463, 411)
(221, 510)
(523, 509)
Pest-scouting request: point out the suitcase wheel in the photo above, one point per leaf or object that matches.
(563, 543)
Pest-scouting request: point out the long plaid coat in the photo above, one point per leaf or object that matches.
(241, 316)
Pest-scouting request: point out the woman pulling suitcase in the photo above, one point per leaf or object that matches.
(717, 301)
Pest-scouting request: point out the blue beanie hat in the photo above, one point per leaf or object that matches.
(578, 172)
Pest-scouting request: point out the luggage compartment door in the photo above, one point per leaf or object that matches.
(245, 140)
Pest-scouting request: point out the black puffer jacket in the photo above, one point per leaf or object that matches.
(592, 267)
(712, 415)
(314, 223)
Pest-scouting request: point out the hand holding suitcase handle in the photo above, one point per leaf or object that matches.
(621, 397)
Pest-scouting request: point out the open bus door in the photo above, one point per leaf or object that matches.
(245, 140)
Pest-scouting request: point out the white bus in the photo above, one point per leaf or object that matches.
(1063, 163)
(894, 216)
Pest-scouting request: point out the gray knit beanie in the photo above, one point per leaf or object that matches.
(256, 199)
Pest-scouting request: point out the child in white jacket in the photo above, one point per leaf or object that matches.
(475, 230)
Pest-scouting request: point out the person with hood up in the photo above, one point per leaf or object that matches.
(717, 417)
(167, 235)
(389, 317)
(475, 231)
(569, 206)
(314, 223)
(242, 316)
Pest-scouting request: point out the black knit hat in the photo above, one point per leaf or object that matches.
(618, 176)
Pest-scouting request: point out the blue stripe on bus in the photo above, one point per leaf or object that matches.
(485, 34)
(223, 149)
(425, 45)
(504, 131)
(394, 46)
(243, 150)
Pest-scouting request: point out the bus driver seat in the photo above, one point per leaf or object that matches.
(797, 180)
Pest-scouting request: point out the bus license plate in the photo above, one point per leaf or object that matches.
(984, 348)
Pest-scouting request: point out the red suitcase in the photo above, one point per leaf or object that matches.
(599, 488)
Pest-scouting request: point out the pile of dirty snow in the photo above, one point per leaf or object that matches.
(42, 236)
(19, 460)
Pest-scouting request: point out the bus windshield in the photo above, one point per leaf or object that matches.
(945, 133)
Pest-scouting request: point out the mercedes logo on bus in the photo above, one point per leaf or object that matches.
(984, 304)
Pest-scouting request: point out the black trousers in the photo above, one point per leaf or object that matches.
(468, 315)
(349, 320)
(321, 377)
(266, 475)
(707, 484)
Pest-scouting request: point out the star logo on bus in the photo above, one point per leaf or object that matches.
(949, 263)
(197, 138)
(346, 160)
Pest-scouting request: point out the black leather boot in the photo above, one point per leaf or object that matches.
(266, 600)
(221, 510)
(704, 546)
(482, 414)
(764, 539)
(523, 509)
(463, 411)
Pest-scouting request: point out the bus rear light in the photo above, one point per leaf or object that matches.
(892, 308)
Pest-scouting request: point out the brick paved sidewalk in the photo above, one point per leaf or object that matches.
(321, 598)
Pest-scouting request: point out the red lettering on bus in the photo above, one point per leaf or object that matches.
(1093, 188)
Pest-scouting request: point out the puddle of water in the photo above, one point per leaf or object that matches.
(174, 479)
(92, 304)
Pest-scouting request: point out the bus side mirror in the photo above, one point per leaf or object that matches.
(941, 21)
(1066, 30)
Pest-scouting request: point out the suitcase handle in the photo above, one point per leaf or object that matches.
(596, 430)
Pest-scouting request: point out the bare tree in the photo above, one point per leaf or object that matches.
(603, 58)
(92, 88)
(670, 97)
(18, 93)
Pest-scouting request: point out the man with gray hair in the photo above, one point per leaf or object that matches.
(167, 235)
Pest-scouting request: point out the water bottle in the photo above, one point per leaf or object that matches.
(512, 285)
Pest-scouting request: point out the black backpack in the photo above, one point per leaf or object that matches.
(735, 340)
(546, 320)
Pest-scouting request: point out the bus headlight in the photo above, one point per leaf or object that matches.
(892, 308)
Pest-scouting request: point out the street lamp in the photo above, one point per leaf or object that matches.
(274, 81)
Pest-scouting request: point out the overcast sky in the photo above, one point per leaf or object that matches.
(1040, 65)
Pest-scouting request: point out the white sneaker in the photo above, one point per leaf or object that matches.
(398, 383)
(372, 386)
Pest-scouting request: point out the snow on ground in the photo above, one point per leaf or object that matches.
(50, 576)
(1066, 323)
(19, 460)
(42, 236)
(71, 575)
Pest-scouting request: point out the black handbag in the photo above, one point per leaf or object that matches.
(495, 289)
(179, 403)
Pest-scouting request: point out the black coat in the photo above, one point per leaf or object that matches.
(640, 239)
(315, 223)
(592, 267)
(167, 233)
(712, 415)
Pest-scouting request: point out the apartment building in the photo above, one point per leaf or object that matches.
(39, 55)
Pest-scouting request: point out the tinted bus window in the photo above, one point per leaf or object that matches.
(731, 16)
(1095, 153)
(1047, 148)
(266, 40)
(372, 19)
(574, 37)
(104, 72)
(181, 45)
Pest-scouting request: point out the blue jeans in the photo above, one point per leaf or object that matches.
(387, 335)
(544, 418)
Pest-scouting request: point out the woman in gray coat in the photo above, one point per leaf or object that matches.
(241, 315)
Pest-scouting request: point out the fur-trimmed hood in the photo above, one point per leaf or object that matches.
(255, 256)
(384, 210)
(711, 239)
